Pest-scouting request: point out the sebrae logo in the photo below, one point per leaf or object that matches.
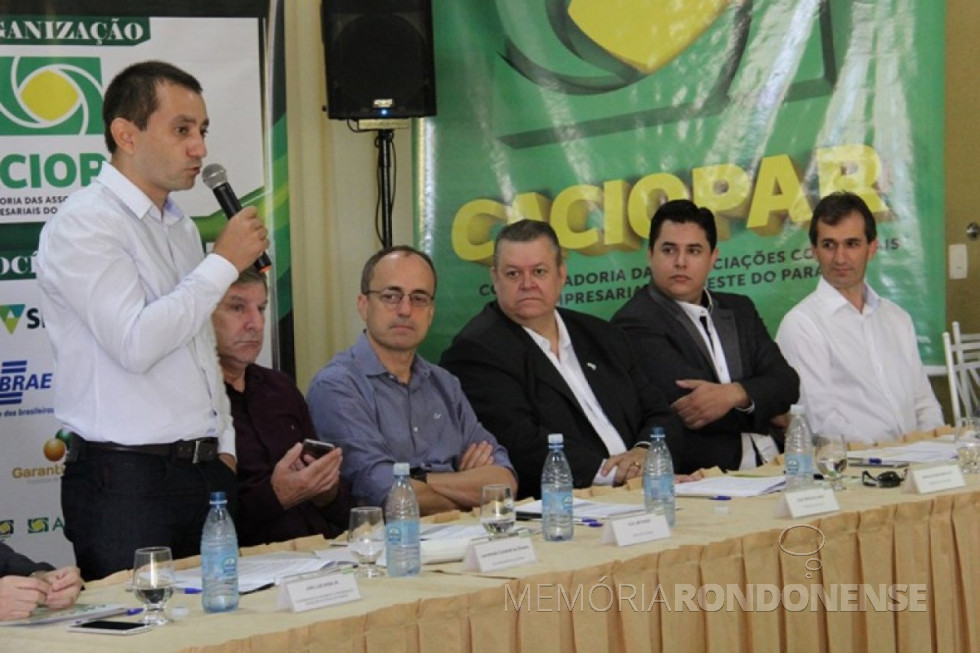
(50, 96)
(15, 381)
(6, 528)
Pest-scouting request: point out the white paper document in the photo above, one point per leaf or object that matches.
(258, 571)
(924, 451)
(584, 509)
(76, 613)
(730, 486)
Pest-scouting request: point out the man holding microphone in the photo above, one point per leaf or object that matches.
(127, 295)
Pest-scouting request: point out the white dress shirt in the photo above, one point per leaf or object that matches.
(700, 316)
(860, 372)
(127, 296)
(568, 366)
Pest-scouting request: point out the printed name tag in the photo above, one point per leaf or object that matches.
(923, 480)
(634, 529)
(317, 590)
(493, 555)
(803, 503)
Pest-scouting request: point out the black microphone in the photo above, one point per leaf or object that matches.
(216, 178)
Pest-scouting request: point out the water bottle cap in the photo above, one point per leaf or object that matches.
(556, 438)
(796, 409)
(218, 497)
(401, 469)
(658, 432)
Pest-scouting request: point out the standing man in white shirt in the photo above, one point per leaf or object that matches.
(856, 352)
(127, 296)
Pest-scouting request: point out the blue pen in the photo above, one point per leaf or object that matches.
(721, 497)
(192, 590)
(874, 461)
(132, 611)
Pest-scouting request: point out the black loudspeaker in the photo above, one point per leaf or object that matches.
(378, 56)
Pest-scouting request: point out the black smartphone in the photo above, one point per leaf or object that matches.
(109, 627)
(316, 448)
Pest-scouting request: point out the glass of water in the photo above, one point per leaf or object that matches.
(968, 445)
(366, 539)
(831, 456)
(153, 582)
(497, 510)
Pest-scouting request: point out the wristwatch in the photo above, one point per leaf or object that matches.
(420, 474)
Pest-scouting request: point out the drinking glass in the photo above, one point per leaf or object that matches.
(968, 445)
(153, 582)
(366, 539)
(497, 510)
(831, 456)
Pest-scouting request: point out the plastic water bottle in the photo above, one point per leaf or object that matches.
(219, 558)
(556, 493)
(798, 451)
(403, 551)
(658, 478)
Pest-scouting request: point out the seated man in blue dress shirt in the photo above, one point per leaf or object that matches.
(384, 404)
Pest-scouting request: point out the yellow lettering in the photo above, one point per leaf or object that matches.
(530, 206)
(570, 219)
(851, 167)
(778, 193)
(649, 193)
(471, 230)
(725, 190)
(616, 231)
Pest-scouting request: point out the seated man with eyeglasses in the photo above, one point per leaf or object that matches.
(384, 404)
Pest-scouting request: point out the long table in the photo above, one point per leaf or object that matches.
(709, 587)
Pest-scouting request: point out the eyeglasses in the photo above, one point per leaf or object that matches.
(393, 297)
(884, 479)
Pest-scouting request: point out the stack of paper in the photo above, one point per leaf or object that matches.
(260, 571)
(924, 451)
(583, 509)
(730, 486)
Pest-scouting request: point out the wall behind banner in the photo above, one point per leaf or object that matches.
(52, 135)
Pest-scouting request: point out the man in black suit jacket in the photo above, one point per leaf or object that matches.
(709, 353)
(508, 359)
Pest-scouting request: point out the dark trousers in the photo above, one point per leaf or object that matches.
(117, 502)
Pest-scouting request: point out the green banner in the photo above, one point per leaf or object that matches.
(590, 113)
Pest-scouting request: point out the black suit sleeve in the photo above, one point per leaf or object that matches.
(666, 352)
(500, 385)
(773, 385)
(15, 564)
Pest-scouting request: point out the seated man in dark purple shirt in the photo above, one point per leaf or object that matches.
(283, 493)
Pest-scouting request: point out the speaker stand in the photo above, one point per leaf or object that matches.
(383, 143)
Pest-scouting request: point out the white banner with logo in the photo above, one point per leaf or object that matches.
(53, 72)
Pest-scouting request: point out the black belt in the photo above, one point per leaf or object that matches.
(201, 450)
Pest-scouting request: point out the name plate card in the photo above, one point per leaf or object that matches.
(935, 478)
(493, 555)
(317, 590)
(633, 529)
(803, 503)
